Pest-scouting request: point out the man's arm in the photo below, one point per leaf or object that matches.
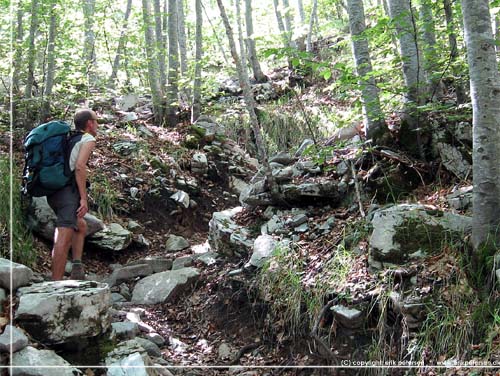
(81, 176)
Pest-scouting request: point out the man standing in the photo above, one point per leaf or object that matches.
(70, 203)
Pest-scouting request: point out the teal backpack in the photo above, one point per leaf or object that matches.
(47, 150)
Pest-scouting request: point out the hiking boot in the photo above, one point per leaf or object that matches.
(77, 272)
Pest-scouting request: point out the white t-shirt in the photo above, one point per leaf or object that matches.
(87, 137)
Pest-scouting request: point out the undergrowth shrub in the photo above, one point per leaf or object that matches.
(22, 242)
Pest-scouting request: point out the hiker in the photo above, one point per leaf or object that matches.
(70, 202)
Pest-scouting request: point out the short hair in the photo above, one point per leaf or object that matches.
(81, 118)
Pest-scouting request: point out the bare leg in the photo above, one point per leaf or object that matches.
(62, 242)
(78, 239)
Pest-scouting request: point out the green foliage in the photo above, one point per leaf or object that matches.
(22, 242)
(103, 197)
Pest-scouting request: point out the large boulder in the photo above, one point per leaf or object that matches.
(21, 274)
(13, 339)
(407, 231)
(165, 286)
(60, 311)
(112, 238)
(34, 362)
(41, 219)
(263, 248)
(226, 236)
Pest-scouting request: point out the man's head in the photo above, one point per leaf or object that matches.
(86, 120)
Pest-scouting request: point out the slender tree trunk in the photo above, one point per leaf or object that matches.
(122, 41)
(49, 79)
(245, 86)
(288, 23)
(160, 51)
(18, 38)
(252, 51)
(89, 41)
(241, 39)
(370, 94)
(153, 74)
(311, 25)
(173, 64)
(281, 25)
(215, 33)
(485, 94)
(196, 109)
(452, 40)
(302, 15)
(31, 50)
(181, 19)
(429, 46)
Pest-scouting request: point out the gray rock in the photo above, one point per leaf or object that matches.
(159, 264)
(59, 311)
(151, 348)
(276, 225)
(348, 317)
(129, 272)
(157, 339)
(297, 220)
(21, 274)
(224, 351)
(125, 148)
(461, 199)
(208, 258)
(134, 364)
(181, 198)
(303, 147)
(225, 236)
(297, 193)
(117, 298)
(463, 131)
(327, 225)
(237, 185)
(127, 102)
(19, 339)
(134, 227)
(32, 362)
(176, 243)
(263, 248)
(402, 230)
(283, 174)
(182, 262)
(165, 286)
(3, 297)
(453, 160)
(283, 158)
(112, 238)
(124, 330)
(199, 164)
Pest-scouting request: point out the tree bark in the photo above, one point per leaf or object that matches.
(311, 25)
(288, 23)
(369, 92)
(181, 19)
(429, 41)
(252, 51)
(160, 50)
(153, 74)
(281, 25)
(196, 107)
(241, 39)
(31, 50)
(18, 39)
(89, 41)
(173, 64)
(49, 78)
(485, 95)
(302, 15)
(122, 41)
(452, 41)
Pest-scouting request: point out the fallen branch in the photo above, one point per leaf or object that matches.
(356, 186)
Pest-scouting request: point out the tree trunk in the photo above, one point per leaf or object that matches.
(196, 109)
(401, 15)
(281, 25)
(31, 50)
(89, 41)
(122, 41)
(311, 25)
(452, 41)
(241, 39)
(215, 33)
(181, 19)
(288, 23)
(49, 78)
(485, 95)
(173, 64)
(370, 94)
(247, 93)
(252, 52)
(160, 50)
(18, 38)
(302, 15)
(153, 74)
(429, 46)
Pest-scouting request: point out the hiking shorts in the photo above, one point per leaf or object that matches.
(65, 203)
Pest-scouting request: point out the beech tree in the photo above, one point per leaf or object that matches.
(49, 78)
(31, 50)
(485, 95)
(371, 103)
(250, 40)
(196, 107)
(122, 41)
(160, 50)
(173, 64)
(89, 55)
